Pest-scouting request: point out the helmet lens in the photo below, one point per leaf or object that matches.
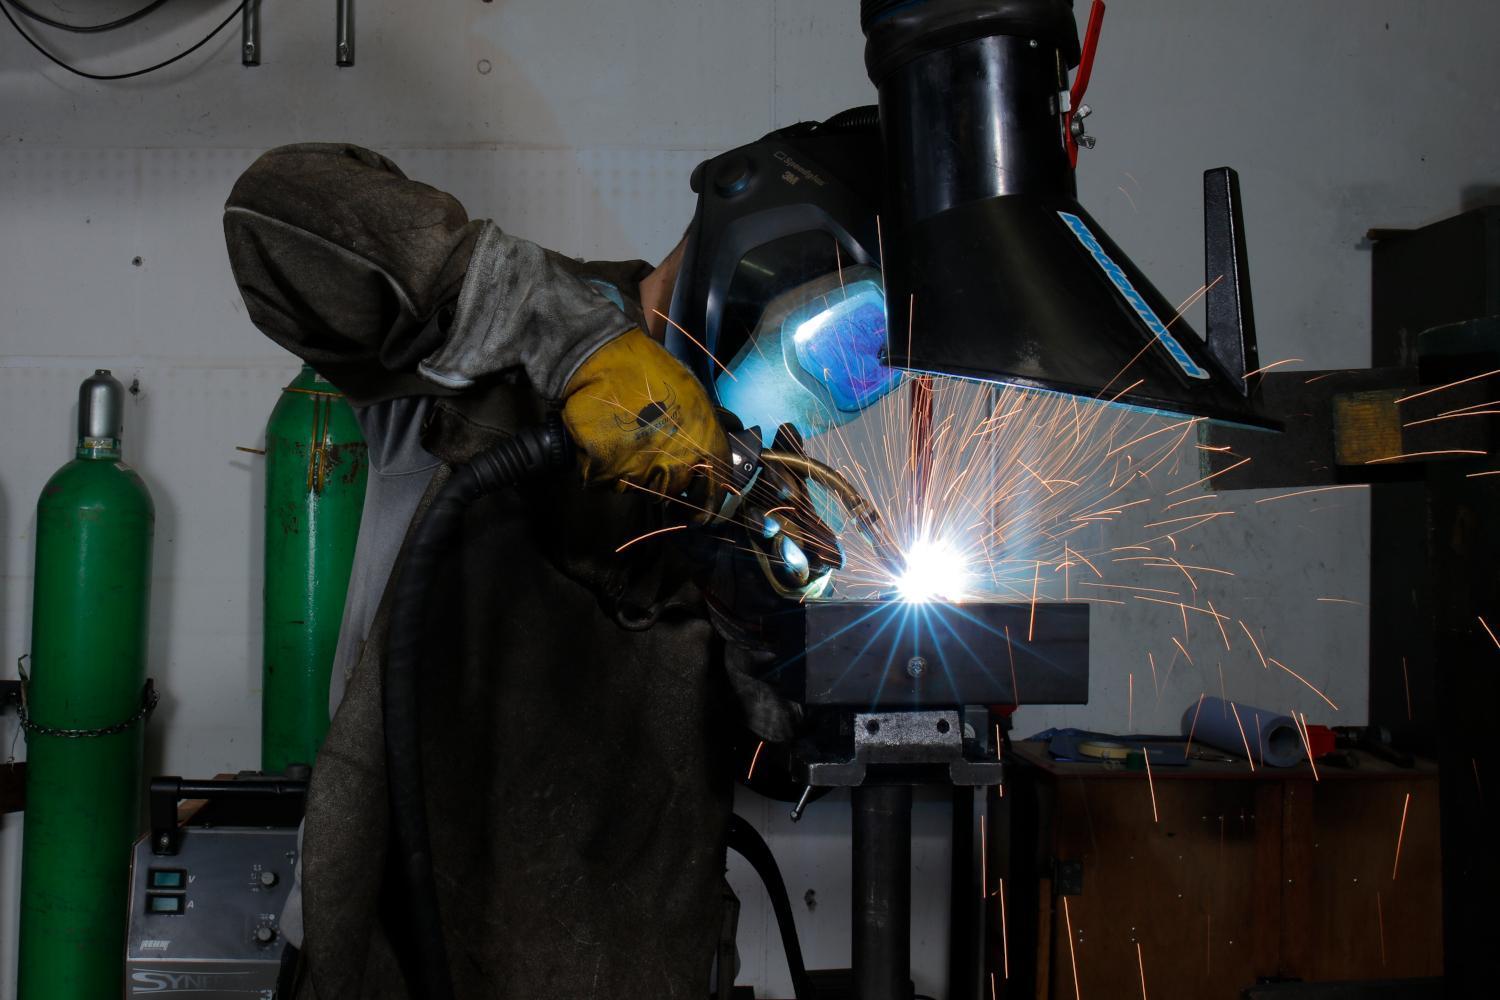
(839, 345)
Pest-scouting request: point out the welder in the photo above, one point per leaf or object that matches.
(569, 691)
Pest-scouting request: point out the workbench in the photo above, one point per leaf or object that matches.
(1205, 878)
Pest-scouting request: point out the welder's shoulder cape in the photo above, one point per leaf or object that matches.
(576, 776)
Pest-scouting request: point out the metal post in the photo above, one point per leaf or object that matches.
(250, 34)
(345, 33)
(882, 892)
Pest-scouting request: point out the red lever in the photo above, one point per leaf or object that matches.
(1081, 78)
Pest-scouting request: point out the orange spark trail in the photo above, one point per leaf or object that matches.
(1072, 954)
(1035, 580)
(1189, 748)
(1182, 650)
(1308, 736)
(1004, 938)
(1015, 692)
(1400, 834)
(1301, 728)
(1150, 783)
(650, 534)
(992, 986)
(1229, 468)
(1320, 489)
(1425, 454)
(1406, 682)
(1248, 756)
(1380, 916)
(689, 336)
(1142, 963)
(984, 857)
(1273, 364)
(1462, 381)
(1451, 416)
(1489, 631)
(1220, 622)
(1255, 644)
(751, 773)
(1305, 681)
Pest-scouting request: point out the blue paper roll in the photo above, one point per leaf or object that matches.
(1273, 739)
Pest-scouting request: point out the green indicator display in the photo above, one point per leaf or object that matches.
(168, 878)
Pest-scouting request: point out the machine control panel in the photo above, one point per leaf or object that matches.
(205, 921)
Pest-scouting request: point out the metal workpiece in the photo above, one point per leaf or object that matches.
(907, 737)
(946, 747)
(881, 930)
(875, 655)
(101, 409)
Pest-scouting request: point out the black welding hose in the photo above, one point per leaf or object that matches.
(530, 452)
(747, 843)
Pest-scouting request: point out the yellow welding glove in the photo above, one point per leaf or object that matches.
(638, 416)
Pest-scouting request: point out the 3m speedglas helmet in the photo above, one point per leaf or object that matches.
(779, 305)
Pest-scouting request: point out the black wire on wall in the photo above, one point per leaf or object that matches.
(84, 29)
(5, 6)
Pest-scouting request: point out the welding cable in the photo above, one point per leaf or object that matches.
(516, 460)
(84, 29)
(747, 843)
(5, 9)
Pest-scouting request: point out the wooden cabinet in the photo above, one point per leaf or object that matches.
(1228, 877)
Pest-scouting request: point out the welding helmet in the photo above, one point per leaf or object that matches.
(779, 305)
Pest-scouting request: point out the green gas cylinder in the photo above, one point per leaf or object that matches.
(316, 466)
(86, 701)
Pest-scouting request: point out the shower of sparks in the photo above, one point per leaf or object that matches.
(759, 747)
(1072, 952)
(1400, 833)
(997, 493)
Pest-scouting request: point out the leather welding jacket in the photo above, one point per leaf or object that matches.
(573, 699)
